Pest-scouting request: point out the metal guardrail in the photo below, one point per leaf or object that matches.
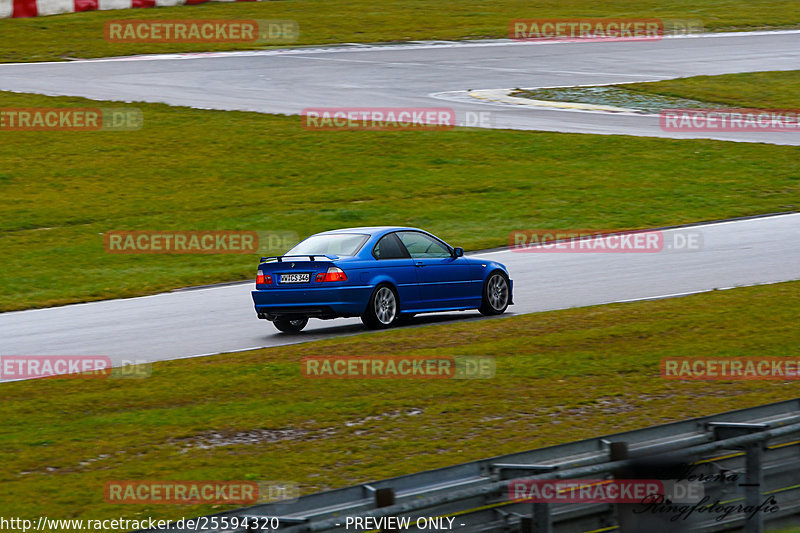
(748, 456)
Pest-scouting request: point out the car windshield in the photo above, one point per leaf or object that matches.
(333, 244)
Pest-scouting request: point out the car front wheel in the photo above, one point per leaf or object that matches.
(495, 295)
(382, 309)
(290, 325)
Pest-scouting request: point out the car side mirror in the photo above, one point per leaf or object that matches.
(458, 252)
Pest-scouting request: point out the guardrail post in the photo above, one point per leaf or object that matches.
(542, 521)
(753, 481)
(384, 498)
(753, 473)
(618, 451)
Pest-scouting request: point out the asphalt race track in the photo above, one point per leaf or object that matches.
(220, 319)
(424, 74)
(202, 321)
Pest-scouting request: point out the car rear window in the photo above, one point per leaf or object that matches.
(334, 244)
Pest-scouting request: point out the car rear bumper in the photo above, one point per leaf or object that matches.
(317, 302)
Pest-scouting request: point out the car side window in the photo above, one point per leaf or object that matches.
(390, 247)
(422, 246)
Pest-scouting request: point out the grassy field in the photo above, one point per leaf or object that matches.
(773, 89)
(561, 376)
(338, 21)
(760, 90)
(251, 171)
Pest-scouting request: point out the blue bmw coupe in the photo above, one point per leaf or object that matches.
(381, 274)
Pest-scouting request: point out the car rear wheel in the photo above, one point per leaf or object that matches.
(495, 295)
(290, 325)
(382, 309)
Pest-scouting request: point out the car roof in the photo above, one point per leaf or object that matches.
(369, 230)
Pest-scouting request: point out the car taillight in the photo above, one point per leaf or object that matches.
(333, 274)
(263, 279)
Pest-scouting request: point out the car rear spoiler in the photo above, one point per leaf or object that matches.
(311, 257)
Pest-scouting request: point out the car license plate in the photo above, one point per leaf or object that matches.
(295, 278)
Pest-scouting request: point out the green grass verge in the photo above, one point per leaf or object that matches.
(251, 171)
(201, 170)
(561, 376)
(339, 21)
(765, 90)
(759, 90)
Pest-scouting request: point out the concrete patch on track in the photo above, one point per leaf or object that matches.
(504, 96)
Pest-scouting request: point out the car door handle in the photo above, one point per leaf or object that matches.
(420, 264)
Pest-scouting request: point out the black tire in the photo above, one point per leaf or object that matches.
(382, 308)
(496, 294)
(290, 325)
